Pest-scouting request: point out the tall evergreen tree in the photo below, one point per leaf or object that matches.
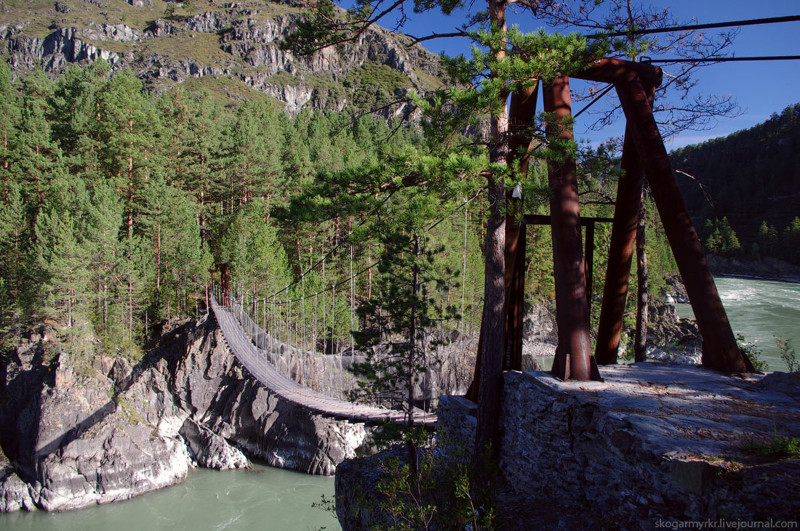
(62, 262)
(253, 161)
(35, 158)
(105, 215)
(9, 116)
(14, 234)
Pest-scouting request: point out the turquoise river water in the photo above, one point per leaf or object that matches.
(262, 498)
(760, 310)
(271, 499)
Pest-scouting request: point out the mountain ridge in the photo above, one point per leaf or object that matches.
(168, 43)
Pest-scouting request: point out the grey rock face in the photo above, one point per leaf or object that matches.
(14, 493)
(654, 442)
(219, 393)
(69, 440)
(112, 32)
(238, 40)
(53, 52)
(209, 449)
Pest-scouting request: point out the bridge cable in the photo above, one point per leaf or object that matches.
(692, 27)
(728, 59)
(364, 270)
(333, 249)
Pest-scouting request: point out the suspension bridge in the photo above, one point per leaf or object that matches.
(643, 154)
(232, 321)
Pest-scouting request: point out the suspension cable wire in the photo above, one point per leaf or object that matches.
(303, 316)
(345, 240)
(337, 246)
(712, 25)
(288, 331)
(314, 327)
(727, 59)
(464, 270)
(364, 270)
(595, 100)
(324, 311)
(352, 304)
(333, 326)
(282, 310)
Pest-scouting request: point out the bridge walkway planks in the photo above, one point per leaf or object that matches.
(293, 392)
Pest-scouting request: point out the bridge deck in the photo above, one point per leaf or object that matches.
(288, 389)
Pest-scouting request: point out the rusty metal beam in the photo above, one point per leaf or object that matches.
(588, 261)
(623, 242)
(544, 219)
(522, 110)
(573, 355)
(720, 350)
(620, 254)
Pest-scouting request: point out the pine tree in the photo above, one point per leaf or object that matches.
(105, 214)
(9, 117)
(62, 263)
(403, 305)
(13, 250)
(35, 158)
(75, 116)
(250, 246)
(168, 220)
(253, 161)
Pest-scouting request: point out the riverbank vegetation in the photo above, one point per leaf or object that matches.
(119, 205)
(761, 164)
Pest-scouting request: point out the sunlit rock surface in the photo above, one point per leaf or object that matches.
(71, 438)
(655, 442)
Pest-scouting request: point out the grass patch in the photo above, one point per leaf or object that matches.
(777, 447)
(378, 75)
(428, 81)
(229, 91)
(201, 47)
(128, 412)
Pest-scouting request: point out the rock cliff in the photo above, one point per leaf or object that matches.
(74, 435)
(654, 445)
(168, 43)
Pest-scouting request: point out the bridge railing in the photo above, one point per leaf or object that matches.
(327, 374)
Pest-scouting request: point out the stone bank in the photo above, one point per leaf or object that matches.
(652, 441)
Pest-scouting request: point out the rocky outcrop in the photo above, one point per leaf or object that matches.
(233, 40)
(79, 440)
(218, 392)
(653, 445)
(767, 269)
(53, 52)
(74, 435)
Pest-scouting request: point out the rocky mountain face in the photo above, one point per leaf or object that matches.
(72, 435)
(167, 43)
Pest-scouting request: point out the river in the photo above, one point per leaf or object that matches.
(760, 310)
(260, 498)
(270, 498)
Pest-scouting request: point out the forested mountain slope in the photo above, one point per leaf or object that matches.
(744, 189)
(230, 48)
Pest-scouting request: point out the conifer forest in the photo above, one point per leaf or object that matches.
(120, 207)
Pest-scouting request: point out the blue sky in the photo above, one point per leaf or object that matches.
(760, 89)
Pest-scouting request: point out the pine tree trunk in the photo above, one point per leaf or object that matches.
(202, 220)
(490, 383)
(412, 333)
(158, 267)
(105, 302)
(640, 340)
